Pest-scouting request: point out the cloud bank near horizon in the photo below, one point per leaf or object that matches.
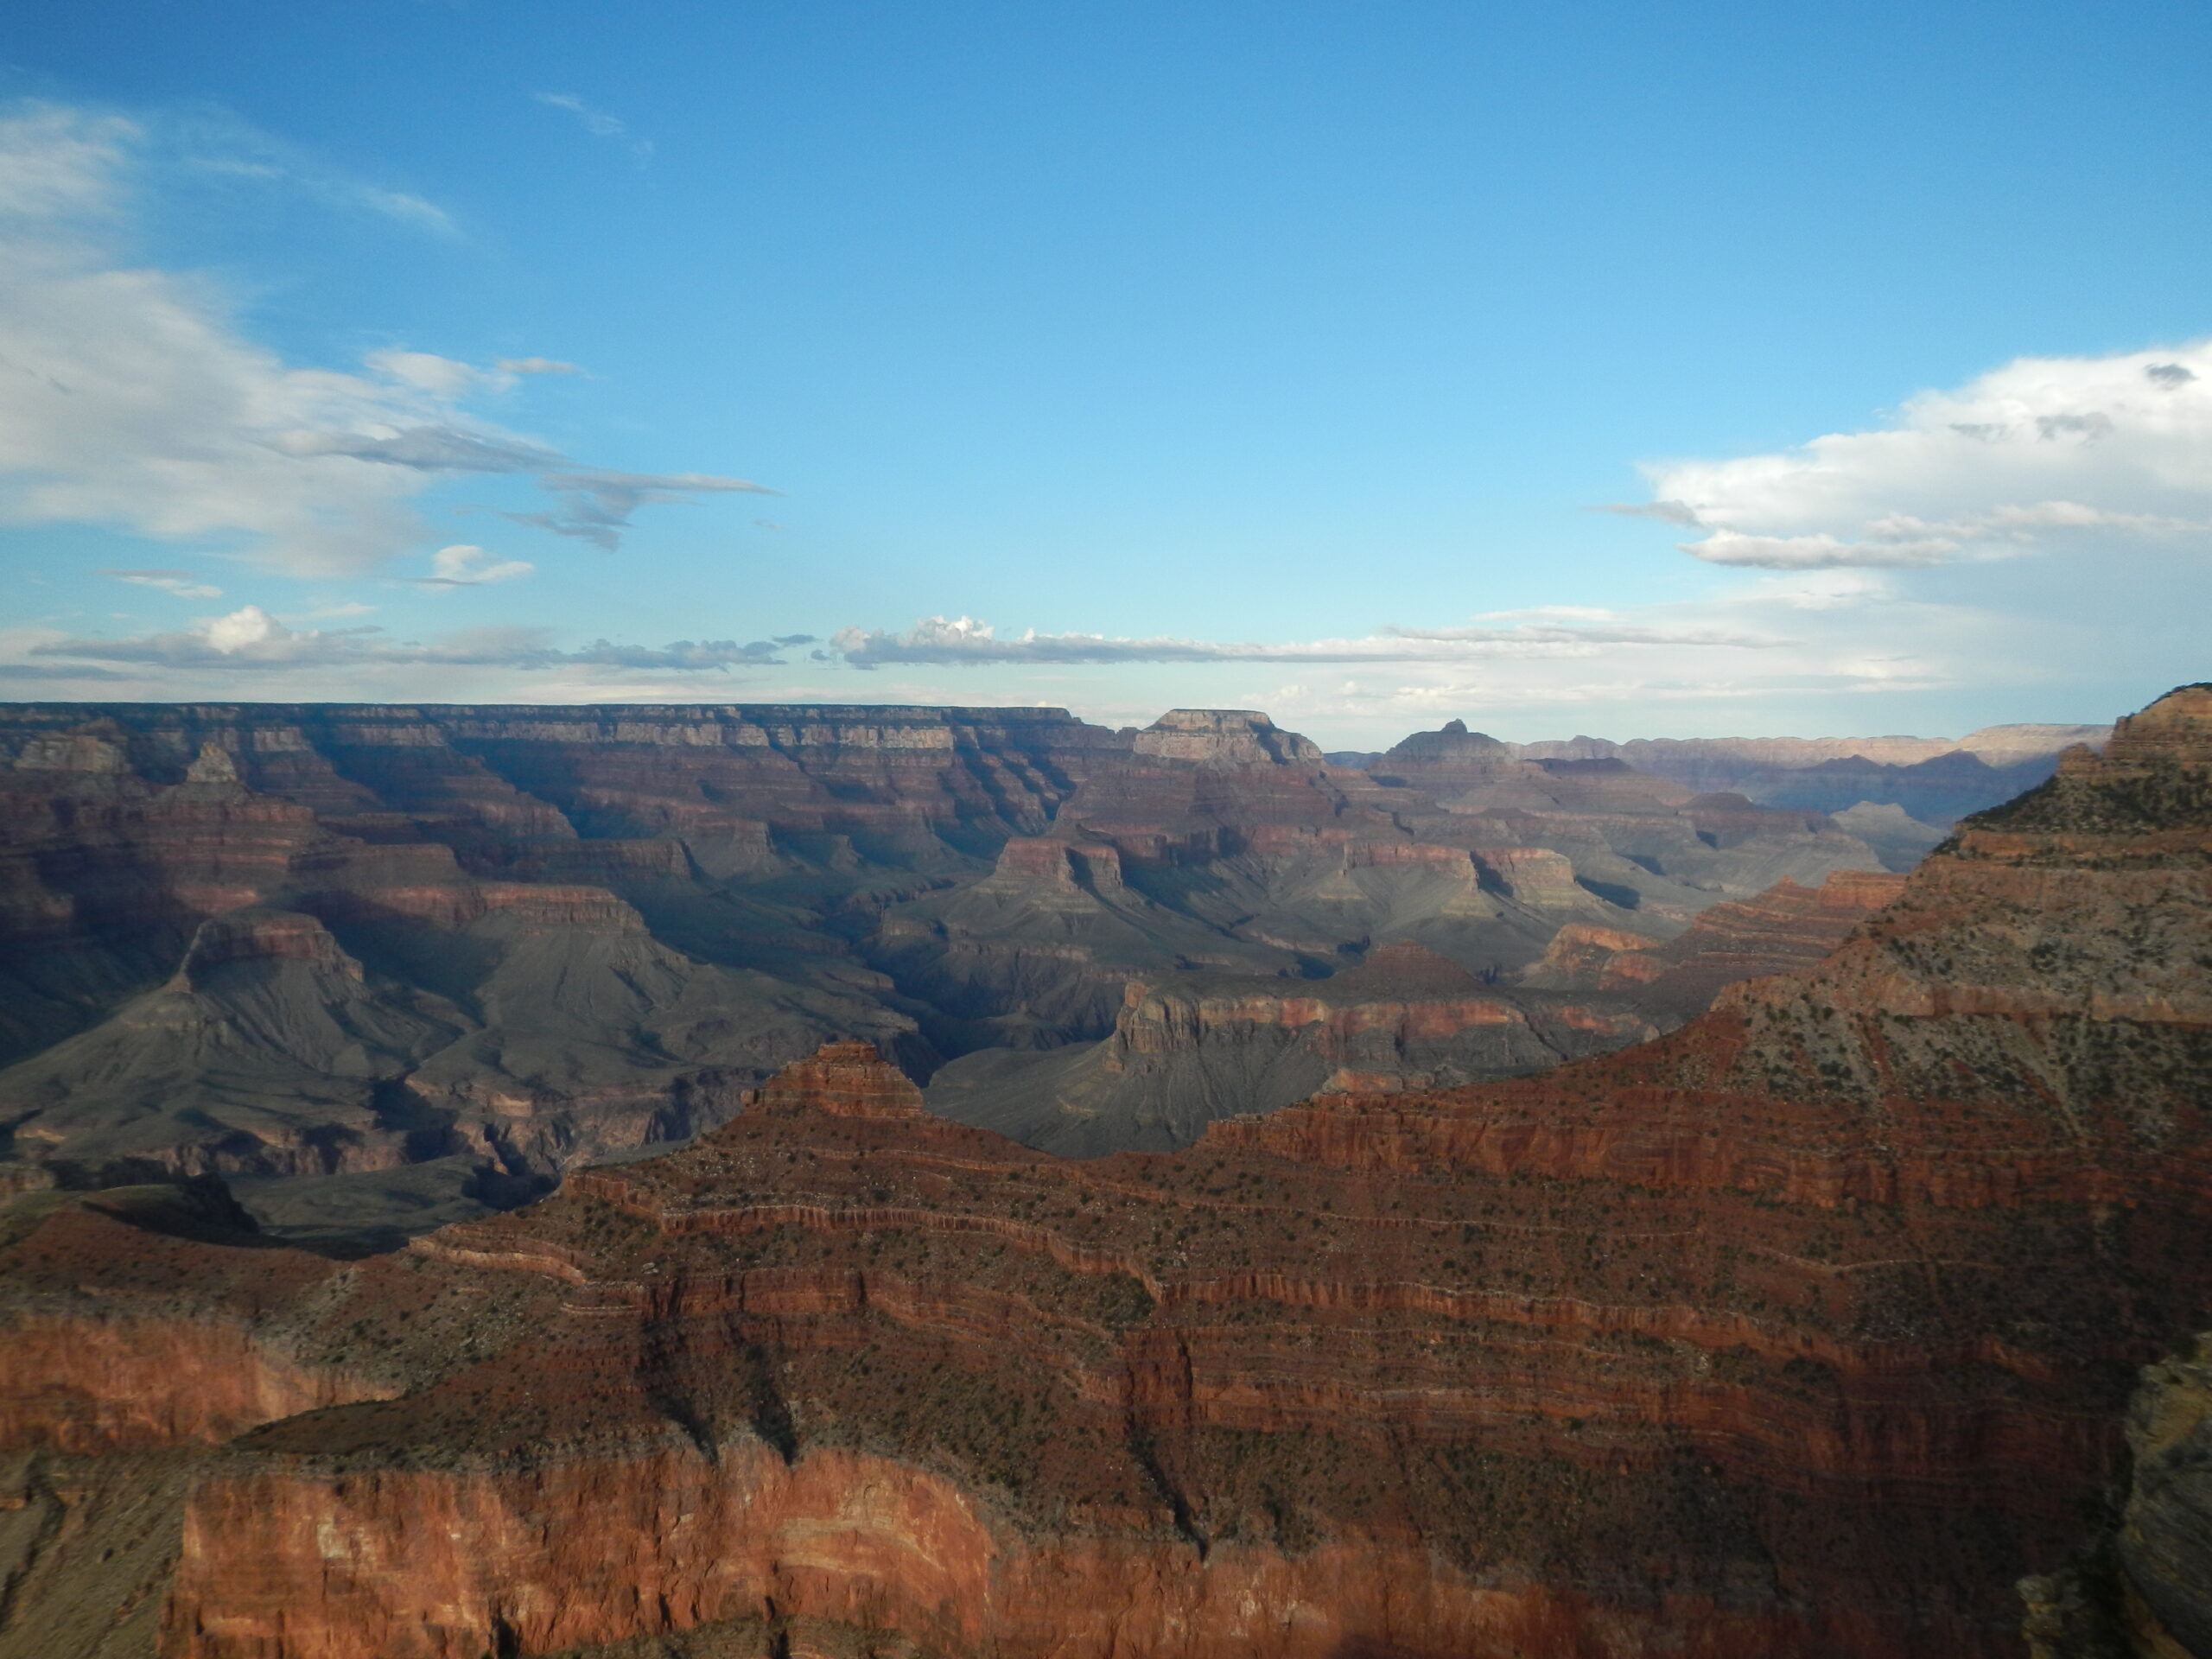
(250, 641)
(966, 642)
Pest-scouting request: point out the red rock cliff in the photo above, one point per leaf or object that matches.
(1800, 1330)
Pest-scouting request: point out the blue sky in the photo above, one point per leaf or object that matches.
(1113, 356)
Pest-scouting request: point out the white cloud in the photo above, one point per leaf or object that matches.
(2042, 453)
(130, 398)
(250, 626)
(464, 566)
(185, 584)
(1821, 552)
(250, 640)
(441, 377)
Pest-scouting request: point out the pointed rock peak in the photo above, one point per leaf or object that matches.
(1453, 745)
(213, 766)
(844, 1080)
(1225, 737)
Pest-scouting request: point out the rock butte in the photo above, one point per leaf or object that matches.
(1803, 1330)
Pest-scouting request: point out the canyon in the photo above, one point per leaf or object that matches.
(1806, 1326)
(381, 968)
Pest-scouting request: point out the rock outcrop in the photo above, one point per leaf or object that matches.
(2142, 1588)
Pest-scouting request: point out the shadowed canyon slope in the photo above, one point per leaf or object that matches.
(1804, 1329)
(384, 966)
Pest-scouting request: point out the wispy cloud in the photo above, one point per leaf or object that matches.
(185, 584)
(130, 398)
(964, 641)
(209, 145)
(595, 506)
(1821, 552)
(599, 122)
(59, 164)
(465, 566)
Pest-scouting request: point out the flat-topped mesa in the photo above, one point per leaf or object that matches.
(1225, 737)
(1534, 875)
(96, 750)
(258, 933)
(845, 1080)
(1026, 861)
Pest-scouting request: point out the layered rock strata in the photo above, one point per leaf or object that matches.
(1787, 926)
(1191, 1048)
(419, 960)
(1803, 1330)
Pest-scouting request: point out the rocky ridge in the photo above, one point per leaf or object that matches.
(1934, 780)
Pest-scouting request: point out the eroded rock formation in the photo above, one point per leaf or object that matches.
(1803, 1330)
(419, 961)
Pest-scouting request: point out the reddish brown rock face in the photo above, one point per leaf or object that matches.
(897, 1373)
(1787, 926)
(1803, 1330)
